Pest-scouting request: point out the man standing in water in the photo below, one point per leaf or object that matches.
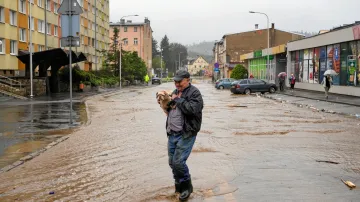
(182, 125)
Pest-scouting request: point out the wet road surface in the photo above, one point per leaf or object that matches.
(249, 148)
(26, 128)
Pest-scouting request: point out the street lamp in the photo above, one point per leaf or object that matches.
(120, 62)
(161, 70)
(179, 60)
(268, 32)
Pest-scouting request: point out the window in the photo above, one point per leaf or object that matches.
(55, 30)
(135, 29)
(13, 47)
(32, 23)
(244, 82)
(22, 6)
(40, 3)
(135, 41)
(2, 46)
(22, 35)
(13, 18)
(2, 18)
(48, 28)
(41, 26)
(93, 9)
(93, 26)
(126, 42)
(55, 8)
(93, 42)
(125, 29)
(41, 48)
(48, 5)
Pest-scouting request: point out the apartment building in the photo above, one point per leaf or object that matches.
(46, 31)
(135, 36)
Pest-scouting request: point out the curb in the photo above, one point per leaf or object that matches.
(33, 155)
(343, 103)
(308, 106)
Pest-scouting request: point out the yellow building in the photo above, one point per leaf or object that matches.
(46, 31)
(195, 66)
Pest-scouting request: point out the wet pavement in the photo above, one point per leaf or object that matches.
(27, 128)
(249, 148)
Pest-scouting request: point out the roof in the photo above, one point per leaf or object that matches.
(127, 24)
(261, 30)
(332, 30)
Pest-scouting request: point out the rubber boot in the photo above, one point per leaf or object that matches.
(177, 187)
(186, 190)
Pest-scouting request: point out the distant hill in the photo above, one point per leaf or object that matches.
(203, 48)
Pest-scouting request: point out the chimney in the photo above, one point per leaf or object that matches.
(122, 21)
(272, 25)
(256, 26)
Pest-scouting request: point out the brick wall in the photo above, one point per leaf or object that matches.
(246, 42)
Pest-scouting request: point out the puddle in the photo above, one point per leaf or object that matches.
(28, 128)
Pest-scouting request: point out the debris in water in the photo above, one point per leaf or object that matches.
(332, 162)
(232, 105)
(349, 184)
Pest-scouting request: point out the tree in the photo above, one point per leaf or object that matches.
(133, 67)
(165, 46)
(111, 61)
(175, 50)
(154, 47)
(239, 72)
(156, 63)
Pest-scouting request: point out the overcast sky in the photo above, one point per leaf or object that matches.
(193, 21)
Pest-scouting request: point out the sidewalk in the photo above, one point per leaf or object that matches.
(316, 95)
(337, 104)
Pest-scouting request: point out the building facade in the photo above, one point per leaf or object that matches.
(338, 49)
(197, 65)
(256, 62)
(227, 51)
(46, 31)
(135, 37)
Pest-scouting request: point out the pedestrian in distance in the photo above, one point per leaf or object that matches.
(292, 81)
(281, 82)
(182, 125)
(327, 83)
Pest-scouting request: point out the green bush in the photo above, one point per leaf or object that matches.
(239, 72)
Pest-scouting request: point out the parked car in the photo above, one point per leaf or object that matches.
(156, 80)
(224, 83)
(248, 86)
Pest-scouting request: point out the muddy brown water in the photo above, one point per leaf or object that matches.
(122, 154)
(28, 128)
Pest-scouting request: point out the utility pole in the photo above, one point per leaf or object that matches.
(31, 52)
(96, 62)
(179, 60)
(161, 69)
(120, 65)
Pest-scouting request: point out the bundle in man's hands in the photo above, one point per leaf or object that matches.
(164, 99)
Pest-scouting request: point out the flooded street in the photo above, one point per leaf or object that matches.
(26, 128)
(249, 149)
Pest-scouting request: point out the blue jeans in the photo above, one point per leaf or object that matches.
(179, 149)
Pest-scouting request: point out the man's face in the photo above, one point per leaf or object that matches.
(181, 85)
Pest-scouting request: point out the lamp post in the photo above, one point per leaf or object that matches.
(31, 50)
(268, 32)
(121, 46)
(161, 69)
(120, 64)
(179, 60)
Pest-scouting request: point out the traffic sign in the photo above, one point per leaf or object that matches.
(70, 7)
(70, 41)
(216, 65)
(75, 25)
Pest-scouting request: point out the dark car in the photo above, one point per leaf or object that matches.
(156, 80)
(223, 83)
(247, 86)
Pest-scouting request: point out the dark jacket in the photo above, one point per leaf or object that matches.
(191, 105)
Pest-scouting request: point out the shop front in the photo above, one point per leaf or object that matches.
(338, 50)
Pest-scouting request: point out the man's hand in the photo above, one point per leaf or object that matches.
(173, 96)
